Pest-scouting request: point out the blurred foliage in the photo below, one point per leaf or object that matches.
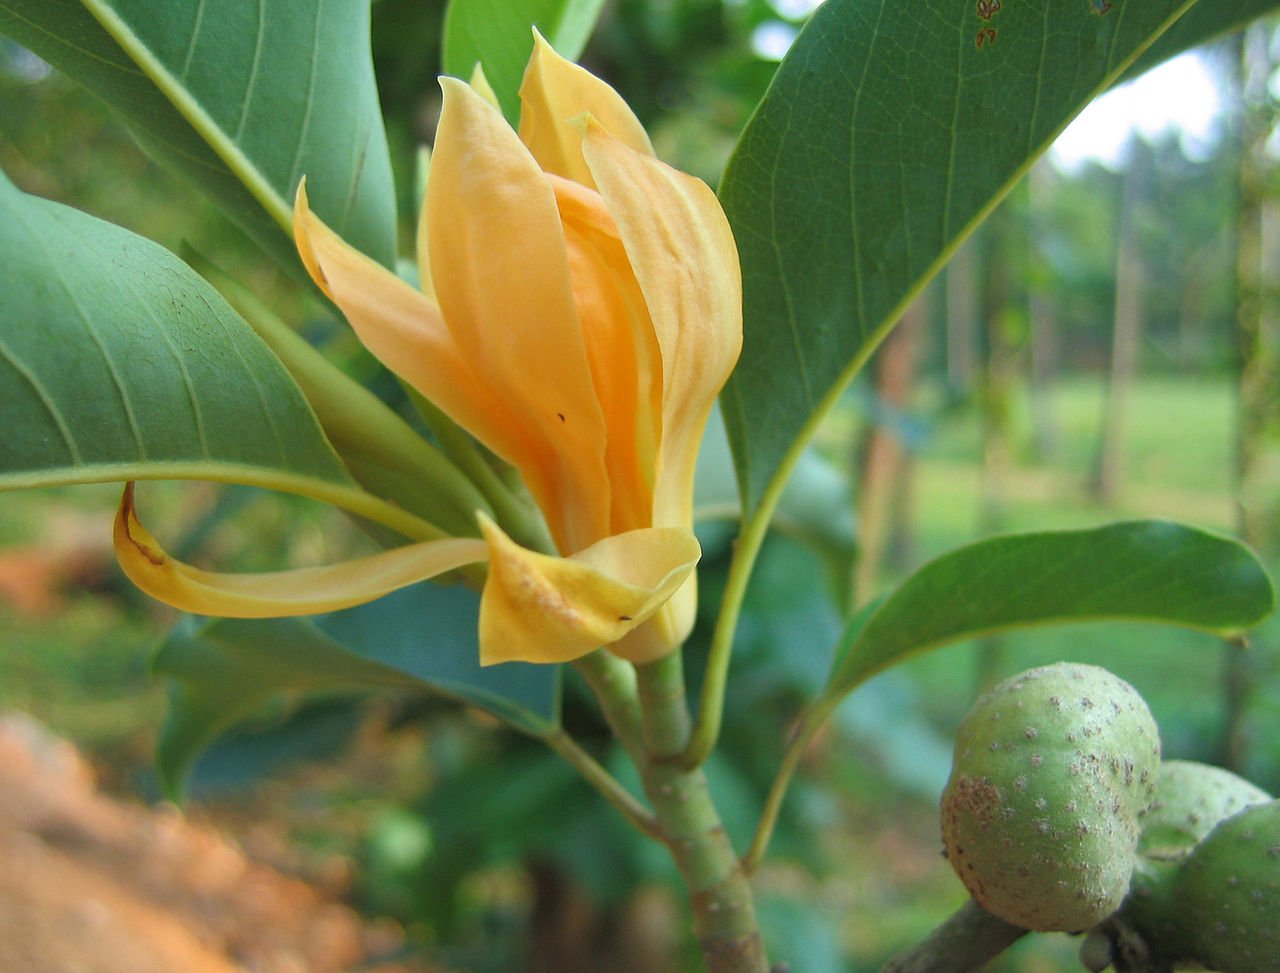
(855, 875)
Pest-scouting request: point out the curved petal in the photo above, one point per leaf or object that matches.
(502, 278)
(685, 259)
(406, 332)
(539, 608)
(626, 364)
(665, 631)
(306, 591)
(554, 93)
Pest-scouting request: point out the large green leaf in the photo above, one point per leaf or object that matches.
(889, 131)
(497, 35)
(1144, 570)
(241, 98)
(118, 362)
(1207, 20)
(419, 639)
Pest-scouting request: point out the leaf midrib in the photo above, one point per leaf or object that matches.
(253, 179)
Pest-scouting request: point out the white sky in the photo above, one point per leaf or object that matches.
(1182, 95)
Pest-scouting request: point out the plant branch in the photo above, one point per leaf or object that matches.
(724, 914)
(968, 940)
(706, 730)
(598, 777)
(613, 682)
(804, 732)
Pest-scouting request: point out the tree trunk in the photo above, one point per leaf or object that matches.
(1044, 325)
(1126, 342)
(962, 318)
(884, 461)
(1258, 334)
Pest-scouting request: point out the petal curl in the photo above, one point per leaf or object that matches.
(540, 608)
(306, 591)
(685, 259)
(501, 274)
(554, 93)
(404, 330)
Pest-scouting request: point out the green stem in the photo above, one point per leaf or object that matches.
(804, 732)
(614, 684)
(636, 813)
(706, 731)
(724, 913)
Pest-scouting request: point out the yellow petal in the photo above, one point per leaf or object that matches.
(405, 331)
(665, 631)
(626, 364)
(539, 608)
(480, 84)
(501, 274)
(307, 591)
(556, 91)
(685, 259)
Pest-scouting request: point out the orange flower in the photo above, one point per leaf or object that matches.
(579, 311)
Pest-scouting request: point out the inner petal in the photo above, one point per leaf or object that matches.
(622, 351)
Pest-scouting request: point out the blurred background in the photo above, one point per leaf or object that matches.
(1106, 346)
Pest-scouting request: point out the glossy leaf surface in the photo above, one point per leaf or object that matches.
(1143, 570)
(243, 99)
(890, 130)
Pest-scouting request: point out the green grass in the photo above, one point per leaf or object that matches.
(1178, 465)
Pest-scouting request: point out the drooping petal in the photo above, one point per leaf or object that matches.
(501, 274)
(556, 91)
(405, 331)
(306, 591)
(626, 364)
(539, 608)
(683, 253)
(665, 631)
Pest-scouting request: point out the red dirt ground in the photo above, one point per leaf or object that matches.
(90, 884)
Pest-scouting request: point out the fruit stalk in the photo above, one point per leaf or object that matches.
(967, 941)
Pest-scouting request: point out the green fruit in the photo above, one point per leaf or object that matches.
(1053, 769)
(1229, 893)
(1151, 909)
(1191, 798)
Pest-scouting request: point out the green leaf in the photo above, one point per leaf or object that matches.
(118, 362)
(1143, 570)
(888, 133)
(420, 639)
(497, 35)
(241, 98)
(1207, 21)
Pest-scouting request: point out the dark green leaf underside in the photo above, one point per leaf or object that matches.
(419, 639)
(1207, 20)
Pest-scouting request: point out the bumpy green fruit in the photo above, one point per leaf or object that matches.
(1191, 798)
(1053, 769)
(1229, 892)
